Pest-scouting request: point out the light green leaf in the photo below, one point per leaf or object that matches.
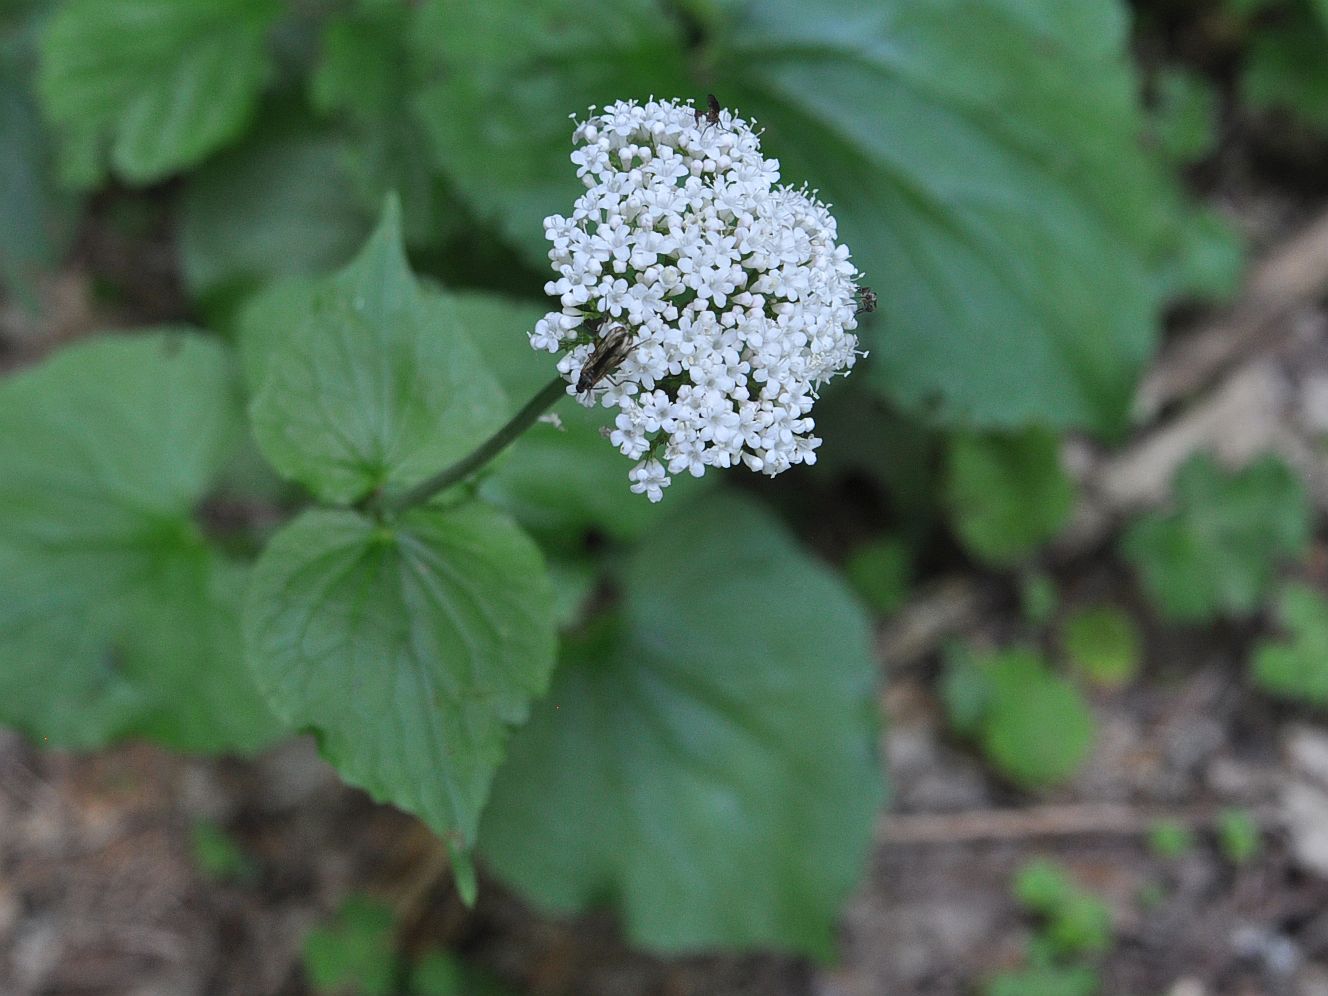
(280, 205)
(164, 83)
(1297, 668)
(1033, 726)
(409, 649)
(707, 762)
(377, 387)
(508, 77)
(1007, 494)
(1217, 551)
(116, 617)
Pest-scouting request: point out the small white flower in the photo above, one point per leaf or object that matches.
(739, 299)
(648, 478)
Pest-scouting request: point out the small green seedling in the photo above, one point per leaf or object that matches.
(439, 973)
(1032, 725)
(1047, 980)
(1218, 550)
(1238, 836)
(1074, 925)
(1296, 668)
(355, 952)
(1104, 644)
(1075, 921)
(1170, 840)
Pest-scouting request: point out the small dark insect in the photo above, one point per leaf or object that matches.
(608, 353)
(711, 115)
(866, 301)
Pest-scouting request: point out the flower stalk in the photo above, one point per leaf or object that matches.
(477, 458)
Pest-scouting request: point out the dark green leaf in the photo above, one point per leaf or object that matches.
(281, 205)
(880, 571)
(1285, 70)
(164, 83)
(377, 387)
(116, 617)
(367, 76)
(508, 77)
(35, 216)
(409, 649)
(707, 762)
(1014, 251)
(1011, 247)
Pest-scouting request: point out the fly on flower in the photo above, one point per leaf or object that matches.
(711, 114)
(866, 300)
(739, 299)
(608, 354)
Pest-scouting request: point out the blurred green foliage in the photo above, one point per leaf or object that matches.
(1238, 835)
(218, 855)
(1033, 726)
(118, 615)
(1103, 642)
(1170, 840)
(1183, 119)
(1296, 668)
(1007, 494)
(879, 571)
(354, 952)
(1001, 186)
(1284, 69)
(1039, 598)
(734, 682)
(1074, 927)
(1074, 921)
(1218, 550)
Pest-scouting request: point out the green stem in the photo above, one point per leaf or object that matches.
(481, 455)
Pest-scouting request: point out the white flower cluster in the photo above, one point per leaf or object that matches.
(724, 294)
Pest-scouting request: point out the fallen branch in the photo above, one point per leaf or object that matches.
(1069, 820)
